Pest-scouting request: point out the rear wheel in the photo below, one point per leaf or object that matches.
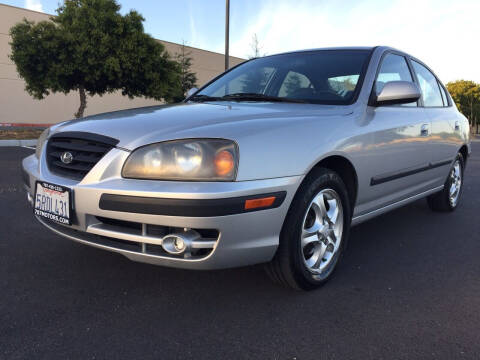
(449, 198)
(314, 233)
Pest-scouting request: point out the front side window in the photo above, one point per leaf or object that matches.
(317, 77)
(393, 68)
(444, 95)
(429, 86)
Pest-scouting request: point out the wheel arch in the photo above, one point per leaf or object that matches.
(464, 151)
(345, 169)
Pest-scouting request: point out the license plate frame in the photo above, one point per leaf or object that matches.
(57, 202)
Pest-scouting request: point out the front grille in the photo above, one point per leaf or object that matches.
(128, 227)
(86, 150)
(155, 230)
(92, 238)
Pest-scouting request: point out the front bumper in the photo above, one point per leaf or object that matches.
(243, 238)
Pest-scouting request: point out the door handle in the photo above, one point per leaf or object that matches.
(425, 130)
(457, 125)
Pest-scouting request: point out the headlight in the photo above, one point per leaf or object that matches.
(41, 141)
(192, 159)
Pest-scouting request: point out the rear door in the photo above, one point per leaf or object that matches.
(445, 134)
(399, 154)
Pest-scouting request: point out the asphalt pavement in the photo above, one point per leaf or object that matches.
(407, 288)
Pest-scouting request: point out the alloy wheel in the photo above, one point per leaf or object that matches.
(455, 183)
(322, 231)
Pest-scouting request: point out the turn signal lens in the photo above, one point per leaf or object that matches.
(224, 163)
(259, 203)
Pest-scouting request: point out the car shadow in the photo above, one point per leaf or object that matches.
(373, 247)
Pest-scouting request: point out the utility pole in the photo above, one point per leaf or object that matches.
(227, 32)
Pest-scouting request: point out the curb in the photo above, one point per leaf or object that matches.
(23, 125)
(18, 142)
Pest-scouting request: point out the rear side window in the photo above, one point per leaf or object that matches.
(428, 84)
(393, 68)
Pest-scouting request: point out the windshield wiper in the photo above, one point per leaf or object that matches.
(244, 97)
(259, 97)
(200, 98)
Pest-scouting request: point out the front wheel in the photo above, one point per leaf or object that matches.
(314, 233)
(449, 198)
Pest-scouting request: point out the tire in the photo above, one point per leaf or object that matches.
(308, 264)
(445, 201)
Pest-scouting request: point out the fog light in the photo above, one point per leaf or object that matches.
(179, 244)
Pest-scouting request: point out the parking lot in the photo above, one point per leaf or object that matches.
(408, 288)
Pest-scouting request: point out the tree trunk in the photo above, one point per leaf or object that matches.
(83, 102)
(471, 110)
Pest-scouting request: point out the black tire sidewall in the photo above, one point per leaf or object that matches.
(291, 232)
(448, 183)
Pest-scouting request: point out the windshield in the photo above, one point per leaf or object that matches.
(318, 77)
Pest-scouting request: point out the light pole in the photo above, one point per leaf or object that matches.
(227, 32)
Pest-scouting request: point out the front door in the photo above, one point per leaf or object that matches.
(399, 152)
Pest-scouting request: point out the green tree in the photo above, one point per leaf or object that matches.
(93, 49)
(466, 95)
(188, 79)
(476, 116)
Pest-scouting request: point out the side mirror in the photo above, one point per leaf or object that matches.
(397, 92)
(191, 92)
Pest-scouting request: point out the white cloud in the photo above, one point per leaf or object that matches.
(197, 38)
(33, 5)
(439, 32)
(193, 27)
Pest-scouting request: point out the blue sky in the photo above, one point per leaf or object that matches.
(443, 33)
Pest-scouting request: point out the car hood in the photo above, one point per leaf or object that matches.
(231, 120)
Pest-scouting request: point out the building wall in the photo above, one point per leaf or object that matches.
(16, 106)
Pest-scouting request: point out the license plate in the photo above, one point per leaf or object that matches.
(53, 202)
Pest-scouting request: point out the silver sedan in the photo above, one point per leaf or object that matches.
(271, 162)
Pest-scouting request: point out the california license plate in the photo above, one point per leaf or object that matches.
(53, 202)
